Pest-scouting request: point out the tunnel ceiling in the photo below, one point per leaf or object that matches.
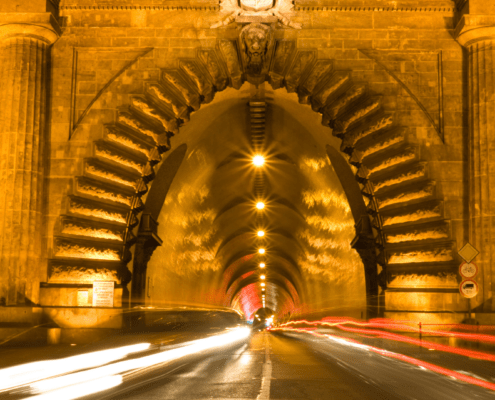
(209, 221)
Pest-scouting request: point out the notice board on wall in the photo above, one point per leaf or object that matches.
(103, 293)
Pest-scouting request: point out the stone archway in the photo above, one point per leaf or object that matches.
(404, 225)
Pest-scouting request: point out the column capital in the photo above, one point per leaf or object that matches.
(41, 26)
(472, 29)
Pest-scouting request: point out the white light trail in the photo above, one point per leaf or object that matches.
(24, 374)
(83, 389)
(88, 377)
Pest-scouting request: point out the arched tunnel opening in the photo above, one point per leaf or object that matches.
(236, 234)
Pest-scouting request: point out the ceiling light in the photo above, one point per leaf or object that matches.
(262, 265)
(262, 277)
(262, 290)
(262, 283)
(260, 205)
(261, 233)
(258, 160)
(261, 251)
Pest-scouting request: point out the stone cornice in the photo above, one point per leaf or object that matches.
(300, 5)
(119, 5)
(472, 29)
(41, 26)
(376, 6)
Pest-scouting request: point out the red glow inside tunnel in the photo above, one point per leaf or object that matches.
(362, 328)
(414, 361)
(250, 299)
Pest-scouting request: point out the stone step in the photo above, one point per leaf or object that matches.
(143, 127)
(441, 276)
(177, 81)
(329, 89)
(98, 211)
(378, 123)
(414, 254)
(418, 213)
(216, 69)
(110, 173)
(410, 173)
(434, 231)
(198, 77)
(406, 196)
(320, 69)
(68, 248)
(103, 192)
(133, 162)
(342, 104)
(79, 227)
(83, 271)
(299, 68)
(378, 144)
(363, 113)
(131, 141)
(167, 100)
(147, 110)
(384, 164)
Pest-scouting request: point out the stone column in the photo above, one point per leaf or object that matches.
(477, 34)
(23, 103)
(147, 242)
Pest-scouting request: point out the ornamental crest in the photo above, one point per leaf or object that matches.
(282, 10)
(256, 5)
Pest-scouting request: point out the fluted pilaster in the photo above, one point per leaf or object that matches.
(479, 41)
(23, 81)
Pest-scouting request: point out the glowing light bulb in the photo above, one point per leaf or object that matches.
(262, 283)
(258, 160)
(262, 277)
(261, 233)
(260, 205)
(262, 290)
(261, 251)
(262, 265)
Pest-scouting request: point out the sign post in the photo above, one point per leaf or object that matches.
(468, 270)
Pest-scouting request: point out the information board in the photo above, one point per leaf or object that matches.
(103, 293)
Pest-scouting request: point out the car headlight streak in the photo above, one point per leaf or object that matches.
(79, 384)
(27, 373)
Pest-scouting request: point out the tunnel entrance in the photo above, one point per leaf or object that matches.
(212, 228)
(359, 227)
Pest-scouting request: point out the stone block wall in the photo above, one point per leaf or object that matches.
(406, 53)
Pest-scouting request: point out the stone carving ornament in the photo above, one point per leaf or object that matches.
(281, 9)
(256, 42)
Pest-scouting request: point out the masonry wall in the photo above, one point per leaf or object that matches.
(108, 53)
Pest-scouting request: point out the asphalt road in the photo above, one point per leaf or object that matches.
(299, 366)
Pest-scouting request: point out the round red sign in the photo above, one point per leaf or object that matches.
(469, 288)
(468, 270)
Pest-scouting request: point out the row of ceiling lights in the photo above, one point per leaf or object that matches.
(259, 161)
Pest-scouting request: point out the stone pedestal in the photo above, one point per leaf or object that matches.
(477, 34)
(24, 44)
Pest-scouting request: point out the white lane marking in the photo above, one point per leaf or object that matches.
(267, 373)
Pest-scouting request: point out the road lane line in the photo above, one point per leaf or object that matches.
(267, 373)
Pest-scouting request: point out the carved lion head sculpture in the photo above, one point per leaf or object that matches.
(256, 40)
